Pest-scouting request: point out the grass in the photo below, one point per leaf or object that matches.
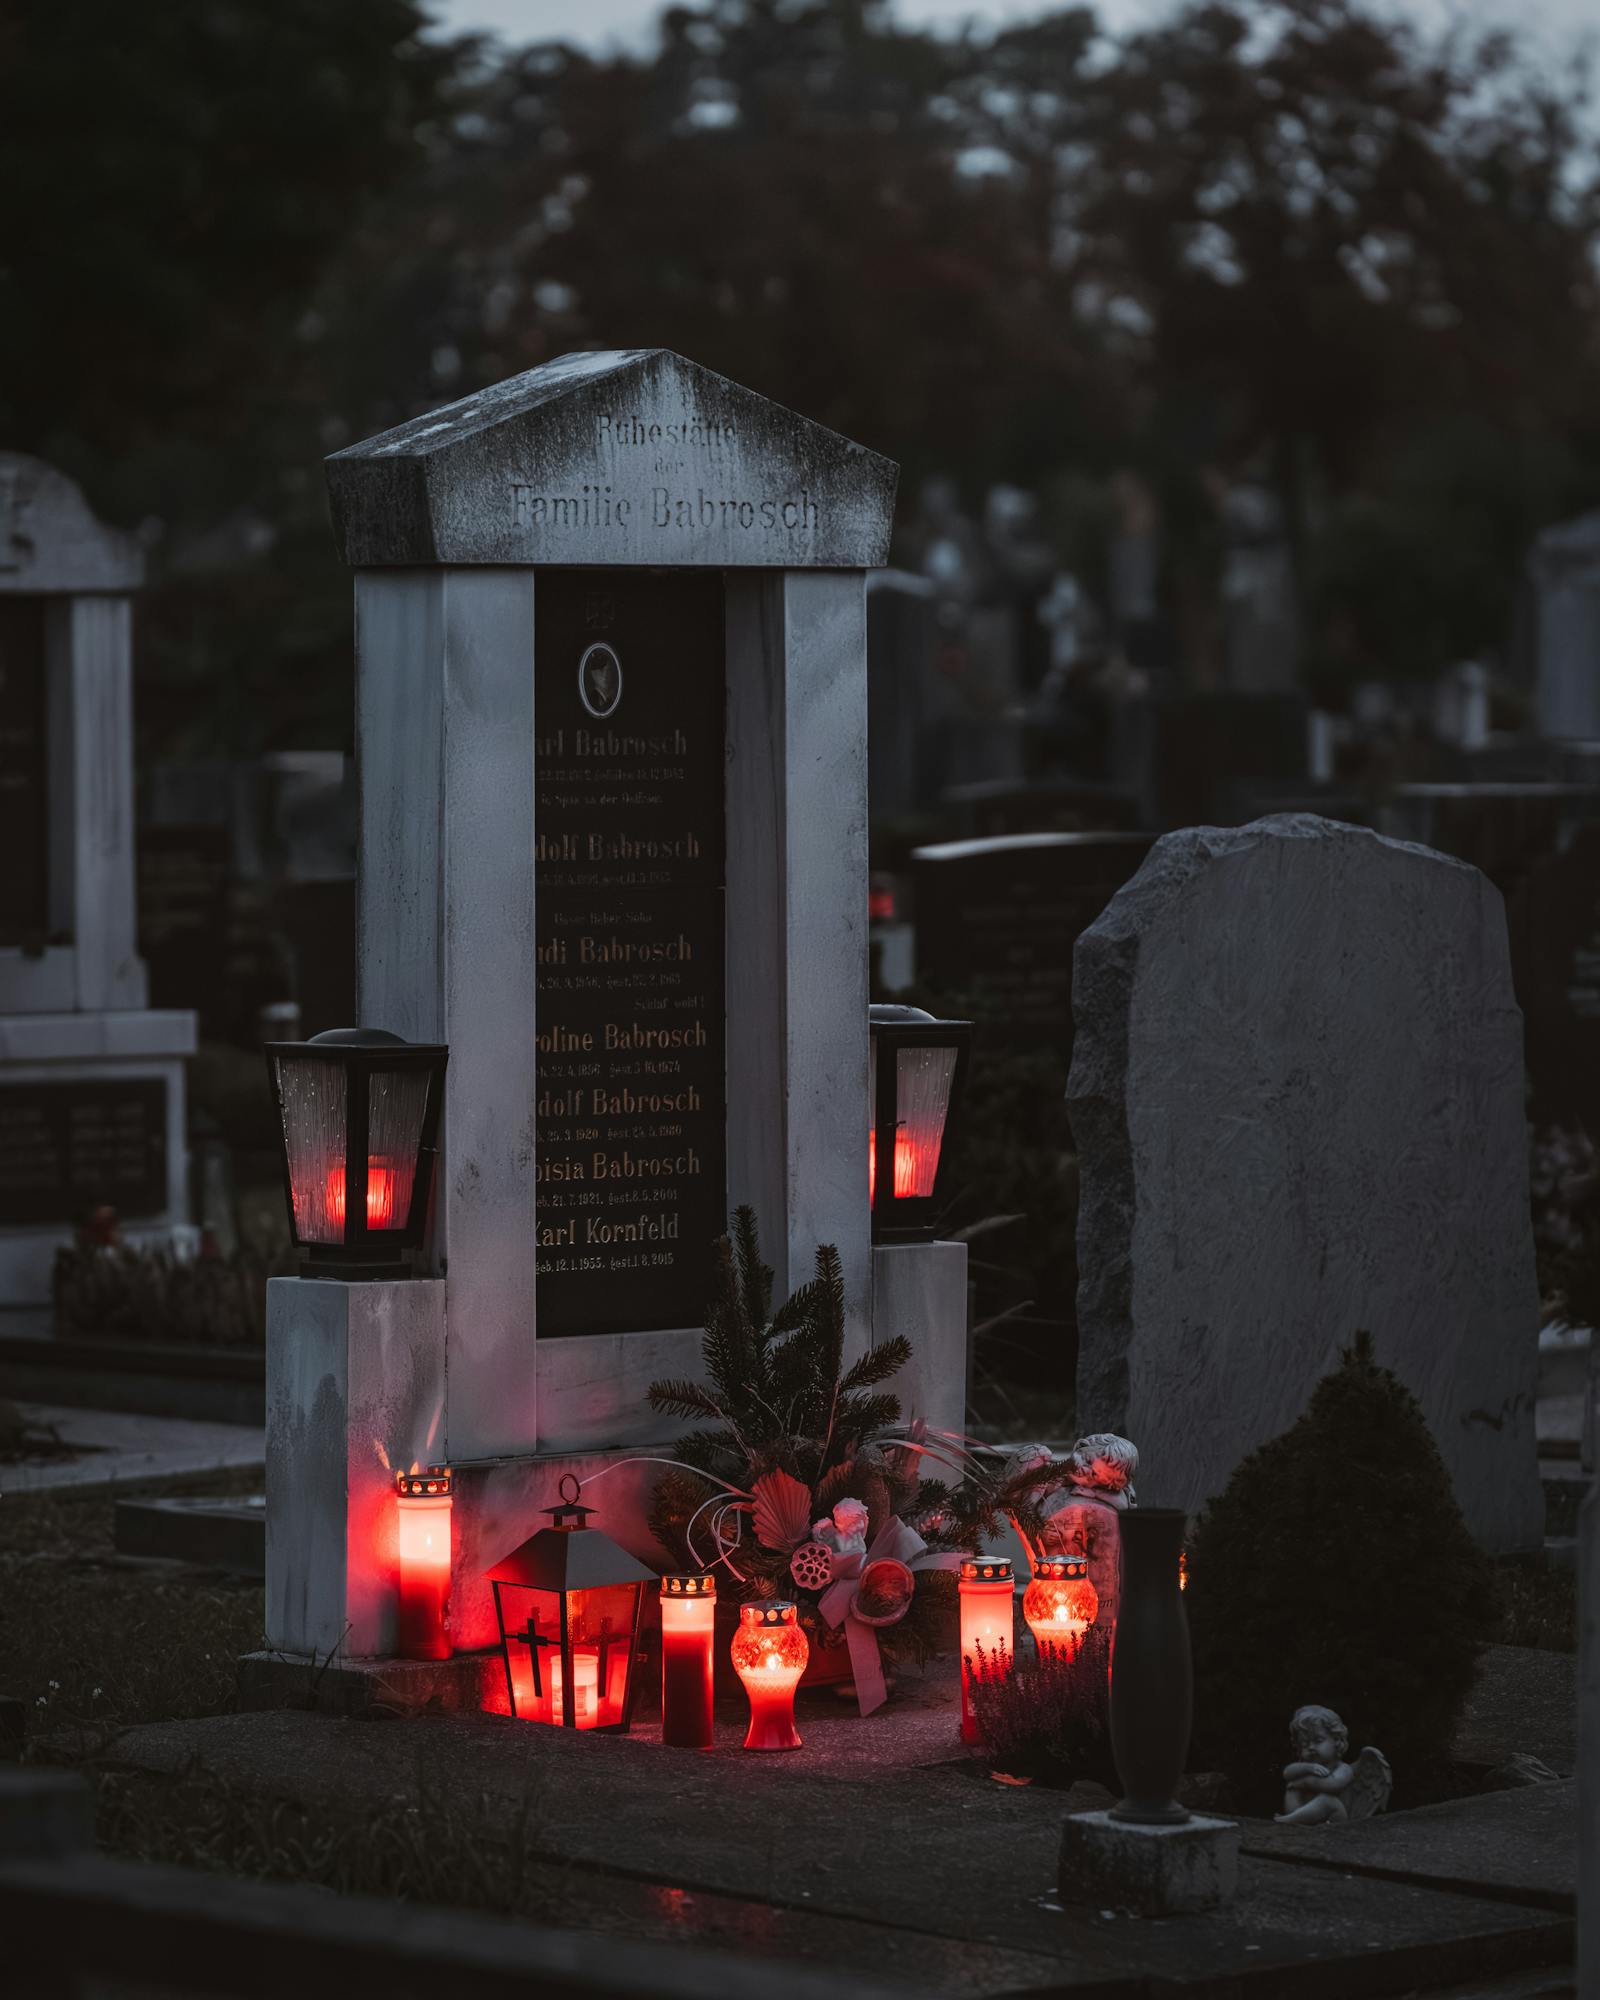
(92, 1643)
(460, 1855)
(1538, 1606)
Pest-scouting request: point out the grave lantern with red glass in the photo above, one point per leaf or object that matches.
(359, 1110)
(568, 1604)
(918, 1070)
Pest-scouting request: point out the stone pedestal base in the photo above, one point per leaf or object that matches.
(364, 1688)
(1152, 1871)
(355, 1393)
(920, 1290)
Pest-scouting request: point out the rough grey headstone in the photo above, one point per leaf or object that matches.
(1297, 1091)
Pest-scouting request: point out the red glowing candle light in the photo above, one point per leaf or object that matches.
(987, 1591)
(688, 1622)
(1060, 1604)
(424, 1505)
(770, 1651)
(380, 1195)
(916, 1067)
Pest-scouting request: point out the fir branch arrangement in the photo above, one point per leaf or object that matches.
(796, 1435)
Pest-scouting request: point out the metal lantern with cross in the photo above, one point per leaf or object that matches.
(919, 1066)
(359, 1110)
(568, 1604)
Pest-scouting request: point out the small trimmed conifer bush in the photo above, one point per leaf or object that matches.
(1335, 1567)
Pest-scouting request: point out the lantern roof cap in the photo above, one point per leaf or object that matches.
(889, 1014)
(358, 1038)
(624, 457)
(569, 1559)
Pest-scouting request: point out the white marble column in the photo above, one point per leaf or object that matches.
(798, 1117)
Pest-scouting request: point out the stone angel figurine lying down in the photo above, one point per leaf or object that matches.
(1320, 1787)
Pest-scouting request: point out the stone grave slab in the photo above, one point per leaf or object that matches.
(979, 1871)
(1297, 1090)
(1519, 1846)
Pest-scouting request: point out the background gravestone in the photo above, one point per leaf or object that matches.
(997, 920)
(1297, 1091)
(1555, 937)
(91, 1077)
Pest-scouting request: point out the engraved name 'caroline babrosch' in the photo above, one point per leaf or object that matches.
(597, 507)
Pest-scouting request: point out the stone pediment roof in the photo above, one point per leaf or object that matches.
(630, 456)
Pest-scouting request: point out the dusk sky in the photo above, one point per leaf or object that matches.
(1556, 24)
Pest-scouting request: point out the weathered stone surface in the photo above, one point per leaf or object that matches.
(1519, 1845)
(629, 456)
(1153, 1871)
(49, 540)
(355, 1391)
(806, 1833)
(1297, 1096)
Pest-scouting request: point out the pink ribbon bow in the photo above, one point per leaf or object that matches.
(840, 1602)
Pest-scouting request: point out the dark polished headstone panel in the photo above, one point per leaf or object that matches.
(24, 784)
(629, 891)
(1555, 947)
(69, 1148)
(997, 921)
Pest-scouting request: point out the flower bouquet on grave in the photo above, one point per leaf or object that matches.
(815, 1487)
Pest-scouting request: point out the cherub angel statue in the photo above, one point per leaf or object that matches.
(1078, 1501)
(1320, 1787)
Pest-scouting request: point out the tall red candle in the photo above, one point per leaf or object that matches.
(770, 1651)
(424, 1505)
(688, 1622)
(987, 1593)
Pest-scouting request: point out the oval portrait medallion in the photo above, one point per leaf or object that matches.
(600, 681)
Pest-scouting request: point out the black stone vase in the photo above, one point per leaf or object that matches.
(1152, 1688)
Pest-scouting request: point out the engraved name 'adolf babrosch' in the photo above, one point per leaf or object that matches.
(598, 507)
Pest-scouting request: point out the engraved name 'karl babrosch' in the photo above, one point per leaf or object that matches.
(597, 507)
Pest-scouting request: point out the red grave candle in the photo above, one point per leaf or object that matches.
(688, 1621)
(1060, 1604)
(986, 1592)
(424, 1505)
(770, 1651)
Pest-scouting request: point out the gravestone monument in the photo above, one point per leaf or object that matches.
(1297, 1093)
(611, 733)
(91, 1080)
(1563, 572)
(902, 645)
(1555, 938)
(997, 919)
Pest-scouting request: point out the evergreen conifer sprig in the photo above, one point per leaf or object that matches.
(777, 1397)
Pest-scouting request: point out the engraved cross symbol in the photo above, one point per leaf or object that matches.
(599, 609)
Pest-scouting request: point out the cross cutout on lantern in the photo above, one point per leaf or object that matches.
(571, 1594)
